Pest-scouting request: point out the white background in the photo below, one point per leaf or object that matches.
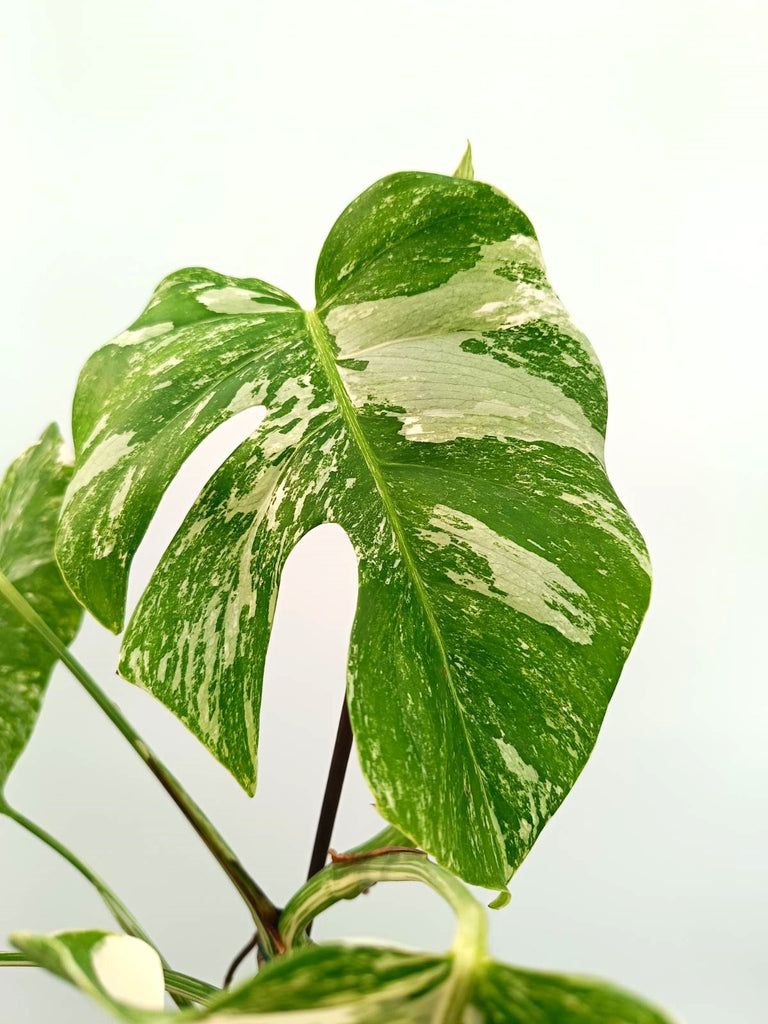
(140, 137)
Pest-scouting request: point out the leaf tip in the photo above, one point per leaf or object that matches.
(501, 900)
(466, 168)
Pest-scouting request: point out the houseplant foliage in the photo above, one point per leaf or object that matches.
(439, 405)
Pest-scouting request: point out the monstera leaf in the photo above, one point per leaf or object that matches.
(439, 405)
(355, 984)
(30, 500)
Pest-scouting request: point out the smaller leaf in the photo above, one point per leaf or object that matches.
(331, 983)
(466, 169)
(122, 973)
(507, 995)
(31, 494)
(341, 983)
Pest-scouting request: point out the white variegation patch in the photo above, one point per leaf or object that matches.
(108, 527)
(130, 972)
(411, 348)
(477, 299)
(447, 393)
(520, 578)
(247, 396)
(231, 299)
(110, 450)
(139, 334)
(539, 791)
(611, 518)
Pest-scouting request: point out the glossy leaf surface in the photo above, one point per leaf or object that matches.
(438, 404)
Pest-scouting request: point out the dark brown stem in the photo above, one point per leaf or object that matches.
(333, 787)
(381, 851)
(251, 944)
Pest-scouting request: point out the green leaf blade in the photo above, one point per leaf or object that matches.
(145, 401)
(516, 582)
(30, 499)
(506, 995)
(199, 636)
(441, 406)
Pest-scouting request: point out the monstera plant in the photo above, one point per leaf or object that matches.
(441, 407)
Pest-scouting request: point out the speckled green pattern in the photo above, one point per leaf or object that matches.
(30, 500)
(338, 984)
(441, 407)
(505, 995)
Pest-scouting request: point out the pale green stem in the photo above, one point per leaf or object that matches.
(116, 907)
(349, 879)
(263, 911)
(15, 960)
(193, 989)
(114, 904)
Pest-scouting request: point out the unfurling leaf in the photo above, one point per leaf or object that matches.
(30, 500)
(465, 168)
(332, 983)
(438, 404)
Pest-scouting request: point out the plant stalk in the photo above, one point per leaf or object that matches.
(348, 879)
(334, 784)
(328, 811)
(351, 878)
(114, 904)
(333, 787)
(265, 914)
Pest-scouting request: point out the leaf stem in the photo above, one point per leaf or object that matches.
(265, 914)
(114, 904)
(15, 960)
(186, 987)
(333, 786)
(348, 879)
(389, 836)
(116, 907)
(250, 945)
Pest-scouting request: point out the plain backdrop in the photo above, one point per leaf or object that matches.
(141, 137)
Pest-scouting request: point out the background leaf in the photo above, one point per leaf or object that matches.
(441, 407)
(30, 500)
(123, 973)
(506, 995)
(365, 984)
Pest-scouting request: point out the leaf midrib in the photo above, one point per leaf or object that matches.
(321, 339)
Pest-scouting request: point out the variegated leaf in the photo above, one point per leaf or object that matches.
(121, 972)
(30, 500)
(507, 995)
(438, 404)
(335, 984)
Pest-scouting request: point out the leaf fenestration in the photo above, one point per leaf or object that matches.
(440, 405)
